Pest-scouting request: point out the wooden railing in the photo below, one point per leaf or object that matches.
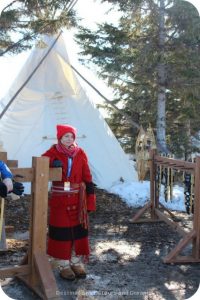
(157, 209)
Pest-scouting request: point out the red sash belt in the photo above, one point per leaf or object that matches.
(75, 188)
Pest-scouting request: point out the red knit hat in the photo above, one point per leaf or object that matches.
(63, 129)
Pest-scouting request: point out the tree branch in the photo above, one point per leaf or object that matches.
(8, 6)
(134, 124)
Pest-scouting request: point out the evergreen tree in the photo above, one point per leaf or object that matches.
(22, 22)
(151, 60)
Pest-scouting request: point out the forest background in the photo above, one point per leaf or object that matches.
(149, 57)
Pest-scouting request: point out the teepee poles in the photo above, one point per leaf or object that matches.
(29, 77)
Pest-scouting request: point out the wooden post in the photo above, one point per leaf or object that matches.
(35, 270)
(41, 278)
(152, 202)
(3, 244)
(196, 223)
(3, 156)
(38, 226)
(152, 185)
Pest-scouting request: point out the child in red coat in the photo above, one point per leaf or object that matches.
(70, 201)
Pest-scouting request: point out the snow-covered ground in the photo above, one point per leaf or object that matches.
(136, 194)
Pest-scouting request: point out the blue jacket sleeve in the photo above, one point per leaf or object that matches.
(5, 171)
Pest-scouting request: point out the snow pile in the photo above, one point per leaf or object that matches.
(136, 194)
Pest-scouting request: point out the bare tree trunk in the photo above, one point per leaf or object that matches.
(161, 73)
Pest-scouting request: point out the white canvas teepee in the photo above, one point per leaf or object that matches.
(54, 96)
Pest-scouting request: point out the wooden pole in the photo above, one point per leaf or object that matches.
(41, 278)
(38, 226)
(3, 156)
(3, 244)
(154, 201)
(2, 216)
(35, 270)
(135, 219)
(172, 256)
(196, 222)
(38, 258)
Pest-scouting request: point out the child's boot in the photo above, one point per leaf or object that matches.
(79, 271)
(66, 272)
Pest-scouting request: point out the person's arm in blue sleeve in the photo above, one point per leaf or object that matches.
(6, 176)
(8, 185)
(5, 171)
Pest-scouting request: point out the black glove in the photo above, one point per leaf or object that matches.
(3, 190)
(18, 188)
(57, 163)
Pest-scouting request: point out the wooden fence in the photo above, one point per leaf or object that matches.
(160, 213)
(35, 270)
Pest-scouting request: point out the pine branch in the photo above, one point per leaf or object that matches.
(9, 5)
(108, 101)
(17, 44)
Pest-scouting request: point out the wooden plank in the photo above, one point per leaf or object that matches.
(13, 271)
(174, 225)
(182, 166)
(167, 210)
(176, 163)
(3, 156)
(40, 203)
(145, 220)
(36, 289)
(45, 273)
(3, 244)
(183, 259)
(196, 224)
(140, 212)
(55, 174)
(2, 206)
(12, 163)
(24, 174)
(179, 247)
(38, 228)
(154, 201)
